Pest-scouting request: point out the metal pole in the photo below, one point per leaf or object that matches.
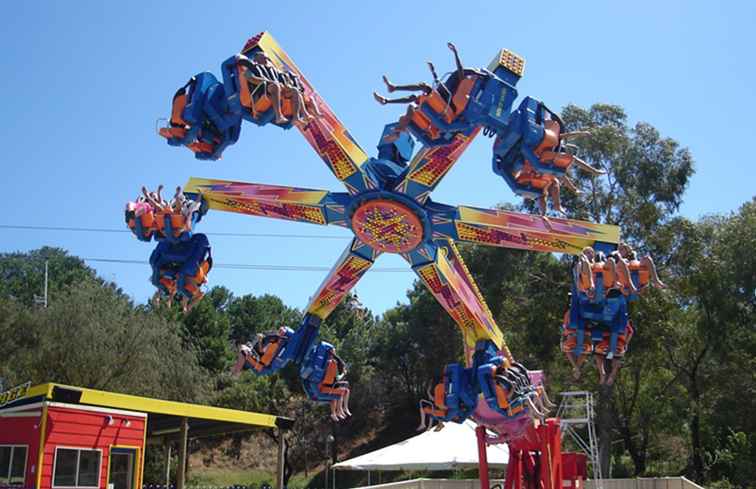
(46, 264)
(480, 432)
(281, 455)
(183, 441)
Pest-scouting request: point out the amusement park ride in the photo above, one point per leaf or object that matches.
(387, 206)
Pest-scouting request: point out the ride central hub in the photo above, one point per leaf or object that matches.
(387, 225)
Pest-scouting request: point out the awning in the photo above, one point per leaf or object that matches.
(454, 447)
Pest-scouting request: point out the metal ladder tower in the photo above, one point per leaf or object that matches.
(577, 416)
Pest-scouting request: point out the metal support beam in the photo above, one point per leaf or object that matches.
(480, 432)
(182, 460)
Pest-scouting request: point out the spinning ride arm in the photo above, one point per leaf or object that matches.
(450, 282)
(348, 270)
(429, 166)
(325, 133)
(495, 227)
(275, 201)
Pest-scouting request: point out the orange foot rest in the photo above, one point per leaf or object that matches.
(435, 412)
(336, 391)
(515, 409)
(172, 132)
(169, 284)
(201, 147)
(200, 278)
(559, 160)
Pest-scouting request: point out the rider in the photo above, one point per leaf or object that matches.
(446, 89)
(434, 406)
(260, 354)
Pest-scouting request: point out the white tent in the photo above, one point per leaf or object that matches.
(454, 447)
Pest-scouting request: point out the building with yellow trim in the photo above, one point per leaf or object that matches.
(55, 436)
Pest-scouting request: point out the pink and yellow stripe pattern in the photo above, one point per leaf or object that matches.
(292, 203)
(326, 134)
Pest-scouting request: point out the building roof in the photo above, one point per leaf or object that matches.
(164, 417)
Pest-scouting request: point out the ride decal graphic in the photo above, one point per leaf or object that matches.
(341, 279)
(430, 165)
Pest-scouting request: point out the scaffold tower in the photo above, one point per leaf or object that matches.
(578, 421)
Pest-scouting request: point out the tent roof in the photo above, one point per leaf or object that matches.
(454, 447)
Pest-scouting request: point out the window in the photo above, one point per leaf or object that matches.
(76, 468)
(12, 465)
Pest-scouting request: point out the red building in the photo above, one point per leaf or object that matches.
(61, 437)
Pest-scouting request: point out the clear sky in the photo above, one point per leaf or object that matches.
(83, 84)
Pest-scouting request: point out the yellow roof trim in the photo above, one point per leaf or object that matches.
(157, 406)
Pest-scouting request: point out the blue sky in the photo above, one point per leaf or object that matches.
(83, 84)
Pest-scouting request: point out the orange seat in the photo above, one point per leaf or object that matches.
(328, 384)
(449, 110)
(254, 97)
(179, 224)
(271, 350)
(177, 111)
(424, 123)
(607, 277)
(177, 127)
(439, 105)
(439, 408)
(502, 396)
(462, 95)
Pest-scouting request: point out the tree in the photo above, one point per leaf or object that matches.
(646, 176)
(22, 275)
(206, 329)
(250, 315)
(710, 334)
(92, 336)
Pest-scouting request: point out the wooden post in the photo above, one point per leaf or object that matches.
(280, 461)
(168, 465)
(182, 460)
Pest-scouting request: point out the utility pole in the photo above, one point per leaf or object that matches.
(43, 300)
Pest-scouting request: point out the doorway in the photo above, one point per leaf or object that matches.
(122, 468)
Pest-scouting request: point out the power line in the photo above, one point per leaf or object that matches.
(228, 266)
(242, 266)
(112, 230)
